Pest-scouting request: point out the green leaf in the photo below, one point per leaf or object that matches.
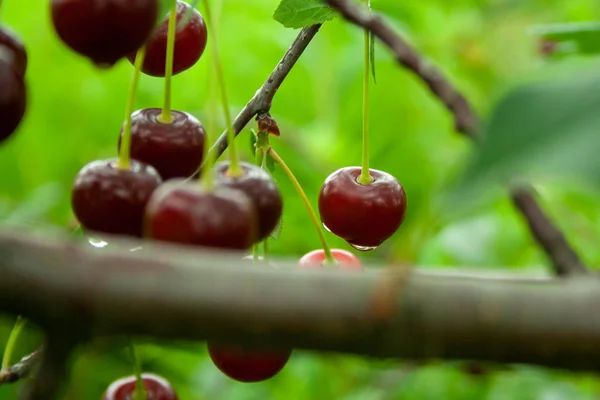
(571, 38)
(301, 13)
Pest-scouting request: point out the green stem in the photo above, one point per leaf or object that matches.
(313, 216)
(166, 117)
(255, 254)
(140, 390)
(234, 166)
(12, 340)
(260, 157)
(365, 177)
(126, 139)
(206, 177)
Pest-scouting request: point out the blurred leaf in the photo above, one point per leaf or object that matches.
(570, 38)
(271, 164)
(301, 13)
(34, 209)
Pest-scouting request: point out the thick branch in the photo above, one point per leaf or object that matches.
(178, 293)
(564, 259)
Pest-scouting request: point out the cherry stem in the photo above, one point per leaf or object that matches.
(262, 147)
(234, 165)
(166, 117)
(309, 208)
(365, 177)
(140, 390)
(126, 139)
(12, 340)
(206, 177)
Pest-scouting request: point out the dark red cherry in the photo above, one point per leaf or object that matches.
(104, 30)
(260, 187)
(19, 55)
(346, 260)
(157, 388)
(174, 149)
(108, 199)
(190, 42)
(364, 215)
(184, 212)
(13, 95)
(248, 365)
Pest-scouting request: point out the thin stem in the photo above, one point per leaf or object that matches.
(313, 216)
(365, 177)
(166, 117)
(140, 390)
(206, 177)
(234, 166)
(126, 139)
(12, 340)
(260, 157)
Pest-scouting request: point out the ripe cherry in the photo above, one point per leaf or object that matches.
(364, 215)
(260, 187)
(248, 365)
(346, 260)
(104, 30)
(19, 55)
(184, 212)
(13, 95)
(108, 199)
(157, 388)
(174, 149)
(190, 43)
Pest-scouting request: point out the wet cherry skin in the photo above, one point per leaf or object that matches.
(13, 96)
(104, 30)
(248, 365)
(190, 43)
(346, 260)
(174, 149)
(19, 54)
(363, 215)
(157, 388)
(185, 213)
(108, 199)
(260, 187)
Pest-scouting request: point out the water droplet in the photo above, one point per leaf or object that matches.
(326, 228)
(98, 243)
(136, 248)
(362, 248)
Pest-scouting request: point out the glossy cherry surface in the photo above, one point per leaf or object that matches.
(174, 149)
(248, 365)
(111, 200)
(13, 96)
(364, 215)
(261, 188)
(183, 212)
(157, 388)
(345, 259)
(19, 54)
(104, 30)
(190, 43)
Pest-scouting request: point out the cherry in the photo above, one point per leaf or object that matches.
(184, 212)
(19, 55)
(108, 199)
(364, 215)
(315, 259)
(104, 30)
(190, 43)
(174, 149)
(248, 365)
(157, 388)
(260, 187)
(13, 96)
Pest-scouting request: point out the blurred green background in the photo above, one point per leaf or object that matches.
(75, 113)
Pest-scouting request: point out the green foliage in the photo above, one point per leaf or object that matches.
(301, 13)
(571, 38)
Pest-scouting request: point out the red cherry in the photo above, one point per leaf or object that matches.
(104, 30)
(183, 212)
(13, 96)
(19, 55)
(108, 199)
(190, 42)
(260, 187)
(315, 259)
(157, 388)
(175, 149)
(364, 215)
(248, 365)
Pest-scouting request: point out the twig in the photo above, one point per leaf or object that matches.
(20, 370)
(564, 259)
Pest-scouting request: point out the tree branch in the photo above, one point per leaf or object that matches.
(183, 293)
(564, 259)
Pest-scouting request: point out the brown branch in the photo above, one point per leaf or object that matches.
(188, 294)
(564, 259)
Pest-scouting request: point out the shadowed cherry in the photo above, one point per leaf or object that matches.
(13, 96)
(19, 54)
(346, 260)
(157, 388)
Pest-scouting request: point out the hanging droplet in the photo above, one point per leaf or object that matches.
(362, 248)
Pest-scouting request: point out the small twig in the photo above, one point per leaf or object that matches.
(560, 252)
(20, 370)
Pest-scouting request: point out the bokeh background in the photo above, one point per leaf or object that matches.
(75, 113)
